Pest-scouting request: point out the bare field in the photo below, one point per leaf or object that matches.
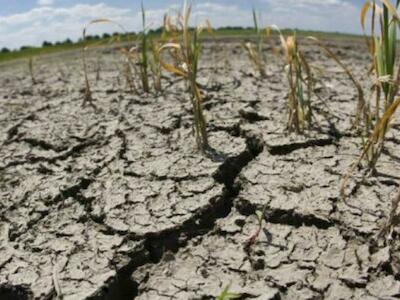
(117, 203)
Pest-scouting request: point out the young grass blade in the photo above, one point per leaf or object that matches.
(144, 58)
(391, 9)
(88, 93)
(184, 49)
(227, 295)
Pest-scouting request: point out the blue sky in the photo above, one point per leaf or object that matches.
(30, 22)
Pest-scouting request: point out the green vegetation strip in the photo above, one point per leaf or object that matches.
(26, 52)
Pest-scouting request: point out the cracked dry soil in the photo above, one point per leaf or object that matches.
(117, 204)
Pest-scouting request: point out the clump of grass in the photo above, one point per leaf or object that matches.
(383, 50)
(31, 72)
(300, 81)
(255, 52)
(184, 50)
(138, 58)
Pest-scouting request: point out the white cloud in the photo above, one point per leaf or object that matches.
(221, 14)
(54, 23)
(326, 15)
(45, 2)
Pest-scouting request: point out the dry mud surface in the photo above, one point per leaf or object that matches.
(117, 204)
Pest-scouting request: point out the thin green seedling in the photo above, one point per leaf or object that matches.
(88, 98)
(98, 70)
(254, 237)
(184, 49)
(31, 72)
(138, 55)
(144, 60)
(227, 295)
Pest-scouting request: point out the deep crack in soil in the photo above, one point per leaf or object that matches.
(117, 204)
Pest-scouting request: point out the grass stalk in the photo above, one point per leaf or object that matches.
(383, 49)
(255, 52)
(184, 49)
(88, 98)
(300, 79)
(254, 237)
(144, 61)
(31, 72)
(155, 66)
(129, 78)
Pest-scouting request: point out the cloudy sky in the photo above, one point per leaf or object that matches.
(30, 22)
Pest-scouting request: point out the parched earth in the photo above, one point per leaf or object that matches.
(116, 203)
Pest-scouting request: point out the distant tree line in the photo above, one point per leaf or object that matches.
(108, 36)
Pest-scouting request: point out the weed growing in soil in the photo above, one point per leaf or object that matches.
(300, 80)
(255, 52)
(31, 73)
(254, 237)
(144, 60)
(130, 70)
(227, 295)
(130, 82)
(138, 60)
(98, 69)
(88, 98)
(184, 49)
(88, 92)
(383, 51)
